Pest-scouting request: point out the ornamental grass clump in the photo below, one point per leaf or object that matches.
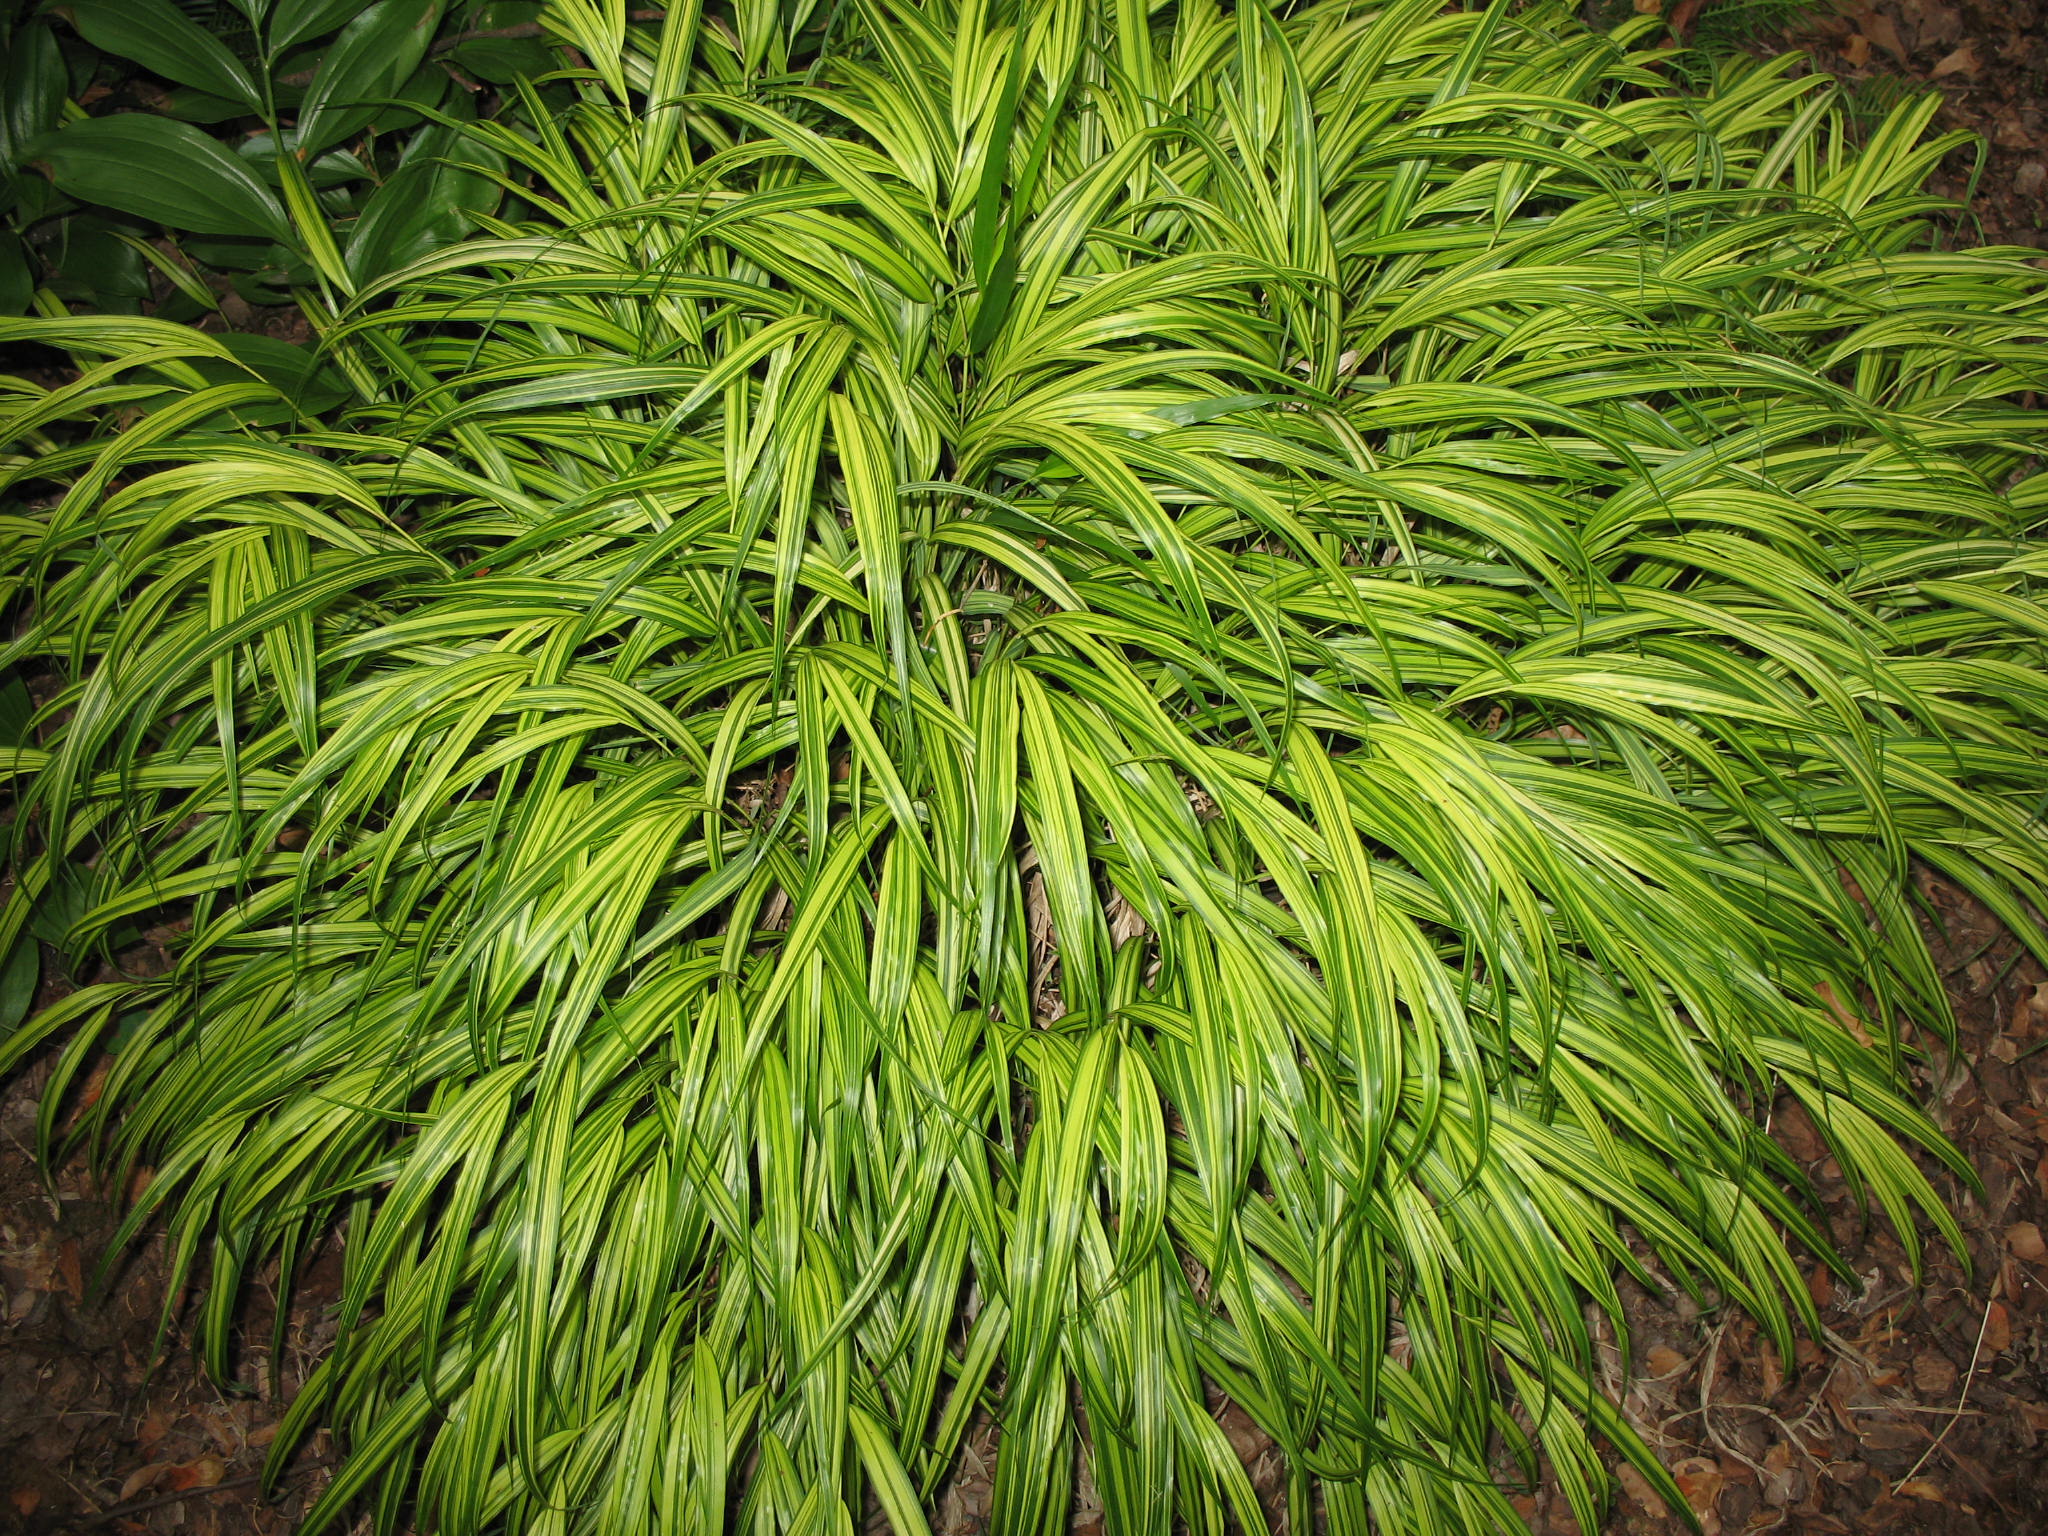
(1008, 719)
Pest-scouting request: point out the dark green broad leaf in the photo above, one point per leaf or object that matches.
(311, 384)
(299, 21)
(190, 106)
(66, 899)
(234, 255)
(501, 60)
(1188, 412)
(32, 90)
(90, 264)
(375, 55)
(429, 87)
(31, 199)
(16, 709)
(305, 385)
(159, 169)
(265, 287)
(432, 199)
(17, 276)
(19, 977)
(503, 15)
(333, 169)
(159, 37)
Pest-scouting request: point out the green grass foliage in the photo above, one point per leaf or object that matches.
(1034, 714)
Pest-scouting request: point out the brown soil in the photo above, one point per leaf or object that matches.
(1989, 58)
(1922, 1408)
(94, 1437)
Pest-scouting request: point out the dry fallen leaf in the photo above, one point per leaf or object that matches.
(154, 1426)
(142, 1479)
(25, 1501)
(1962, 61)
(1920, 1488)
(1997, 1329)
(1934, 1375)
(1638, 1489)
(200, 1472)
(2031, 1010)
(2024, 1239)
(1884, 34)
(1699, 1479)
(1881, 1432)
(1781, 1483)
(1820, 1285)
(1665, 1361)
(1793, 1130)
(69, 1272)
(95, 1081)
(1844, 1015)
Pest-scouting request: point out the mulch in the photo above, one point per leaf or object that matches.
(1923, 1405)
(1989, 60)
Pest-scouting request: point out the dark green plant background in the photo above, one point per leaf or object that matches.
(89, 193)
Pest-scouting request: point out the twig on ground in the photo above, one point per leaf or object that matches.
(143, 1506)
(1969, 1378)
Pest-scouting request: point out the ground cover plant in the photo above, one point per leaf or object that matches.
(123, 115)
(1028, 718)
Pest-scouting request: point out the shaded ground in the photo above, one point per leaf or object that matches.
(1990, 60)
(1924, 1406)
(91, 1437)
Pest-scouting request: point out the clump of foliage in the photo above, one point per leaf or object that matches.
(212, 118)
(1090, 704)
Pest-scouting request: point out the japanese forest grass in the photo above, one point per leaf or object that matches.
(1032, 718)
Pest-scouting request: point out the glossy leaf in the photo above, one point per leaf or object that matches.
(293, 22)
(162, 170)
(501, 60)
(366, 65)
(432, 200)
(90, 262)
(15, 709)
(33, 84)
(190, 106)
(162, 39)
(20, 975)
(17, 277)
